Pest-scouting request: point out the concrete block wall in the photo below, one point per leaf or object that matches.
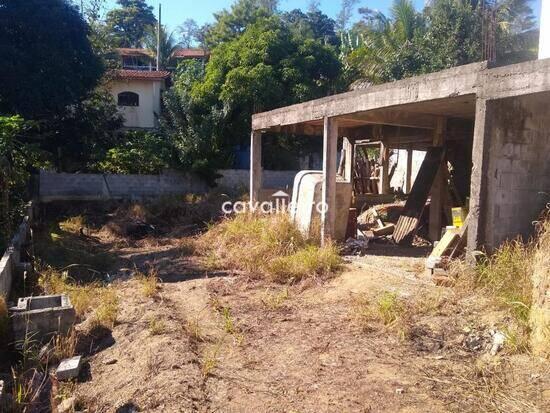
(88, 187)
(235, 178)
(85, 187)
(518, 175)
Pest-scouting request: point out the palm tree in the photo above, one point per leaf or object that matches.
(167, 44)
(386, 42)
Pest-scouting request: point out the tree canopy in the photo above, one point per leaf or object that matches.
(129, 23)
(48, 62)
(265, 67)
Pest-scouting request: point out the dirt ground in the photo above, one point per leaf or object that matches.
(211, 341)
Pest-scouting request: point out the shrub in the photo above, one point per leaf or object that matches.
(267, 246)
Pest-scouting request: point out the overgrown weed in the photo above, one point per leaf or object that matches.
(268, 246)
(156, 327)
(93, 297)
(149, 282)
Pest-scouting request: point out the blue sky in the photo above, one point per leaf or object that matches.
(174, 12)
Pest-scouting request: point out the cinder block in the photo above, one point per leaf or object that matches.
(69, 368)
(42, 316)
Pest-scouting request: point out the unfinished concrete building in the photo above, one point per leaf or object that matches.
(492, 124)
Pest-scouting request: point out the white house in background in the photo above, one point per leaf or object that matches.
(138, 96)
(137, 87)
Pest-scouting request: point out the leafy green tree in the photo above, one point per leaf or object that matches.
(138, 153)
(17, 158)
(345, 15)
(129, 23)
(313, 24)
(48, 62)
(266, 67)
(79, 137)
(189, 32)
(387, 47)
(232, 23)
(453, 36)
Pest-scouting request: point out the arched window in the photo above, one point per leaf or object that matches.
(128, 99)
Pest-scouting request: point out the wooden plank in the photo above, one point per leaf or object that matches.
(408, 221)
(385, 230)
(447, 241)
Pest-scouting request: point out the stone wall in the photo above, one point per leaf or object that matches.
(88, 187)
(518, 170)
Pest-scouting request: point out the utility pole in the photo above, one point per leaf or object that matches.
(158, 38)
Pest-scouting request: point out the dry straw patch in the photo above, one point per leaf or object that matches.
(93, 299)
(517, 277)
(539, 318)
(268, 246)
(149, 282)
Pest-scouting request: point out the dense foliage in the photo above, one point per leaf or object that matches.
(208, 110)
(138, 153)
(47, 60)
(16, 158)
(129, 22)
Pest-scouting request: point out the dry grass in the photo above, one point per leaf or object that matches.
(93, 299)
(187, 246)
(275, 300)
(387, 311)
(271, 247)
(64, 346)
(194, 330)
(515, 276)
(539, 317)
(156, 327)
(149, 282)
(73, 224)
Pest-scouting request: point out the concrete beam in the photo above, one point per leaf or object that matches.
(394, 118)
(458, 81)
(515, 80)
(255, 165)
(328, 215)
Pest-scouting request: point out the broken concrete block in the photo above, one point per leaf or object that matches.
(41, 317)
(69, 368)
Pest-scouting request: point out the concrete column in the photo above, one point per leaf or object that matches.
(349, 159)
(328, 216)
(385, 169)
(478, 187)
(408, 173)
(439, 186)
(255, 165)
